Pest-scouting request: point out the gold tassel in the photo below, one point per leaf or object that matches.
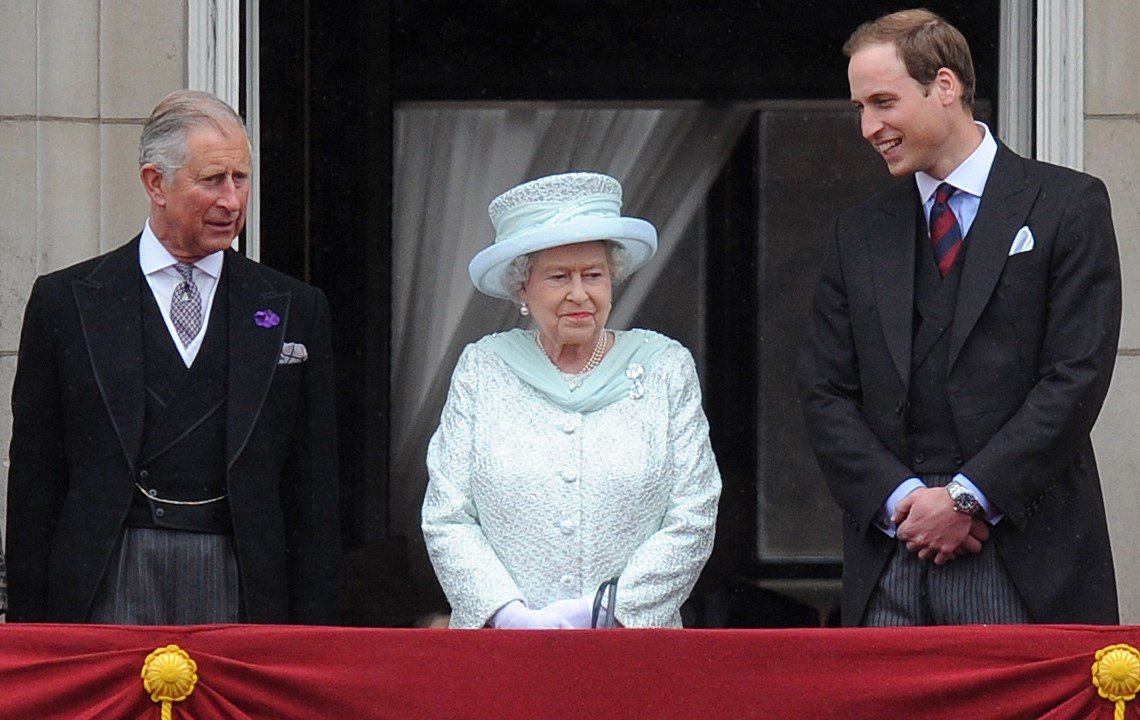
(1116, 675)
(169, 675)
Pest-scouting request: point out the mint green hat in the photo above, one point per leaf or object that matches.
(558, 210)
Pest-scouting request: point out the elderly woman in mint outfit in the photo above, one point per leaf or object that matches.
(569, 454)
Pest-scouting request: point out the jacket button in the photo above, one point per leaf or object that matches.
(144, 474)
(899, 407)
(159, 512)
(919, 458)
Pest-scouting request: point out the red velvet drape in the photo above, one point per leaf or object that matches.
(245, 671)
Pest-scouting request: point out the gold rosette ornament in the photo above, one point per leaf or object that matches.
(169, 675)
(1116, 674)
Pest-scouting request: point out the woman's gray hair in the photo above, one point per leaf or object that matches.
(516, 273)
(163, 142)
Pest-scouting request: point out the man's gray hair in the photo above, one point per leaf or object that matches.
(516, 273)
(163, 142)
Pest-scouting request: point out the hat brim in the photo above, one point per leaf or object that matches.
(636, 236)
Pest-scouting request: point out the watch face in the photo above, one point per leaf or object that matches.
(964, 502)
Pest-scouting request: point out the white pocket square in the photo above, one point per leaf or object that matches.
(1022, 241)
(293, 353)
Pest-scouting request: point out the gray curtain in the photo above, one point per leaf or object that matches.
(450, 161)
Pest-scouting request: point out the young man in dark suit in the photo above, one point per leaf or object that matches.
(959, 348)
(173, 456)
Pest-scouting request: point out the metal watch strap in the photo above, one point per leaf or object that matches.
(964, 500)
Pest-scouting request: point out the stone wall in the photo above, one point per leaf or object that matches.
(1112, 152)
(77, 80)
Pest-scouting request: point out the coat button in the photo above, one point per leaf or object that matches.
(159, 512)
(567, 527)
(899, 407)
(568, 476)
(919, 458)
(144, 474)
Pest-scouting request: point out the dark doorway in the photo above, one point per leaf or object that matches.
(333, 75)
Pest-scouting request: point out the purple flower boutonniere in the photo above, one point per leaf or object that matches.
(266, 318)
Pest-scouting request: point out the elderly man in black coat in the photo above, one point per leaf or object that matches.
(173, 453)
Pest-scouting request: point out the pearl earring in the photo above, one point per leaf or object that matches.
(524, 310)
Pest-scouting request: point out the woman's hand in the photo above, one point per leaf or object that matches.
(516, 616)
(576, 611)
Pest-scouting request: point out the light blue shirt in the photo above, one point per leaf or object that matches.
(970, 179)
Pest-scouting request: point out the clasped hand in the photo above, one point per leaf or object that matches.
(572, 614)
(930, 526)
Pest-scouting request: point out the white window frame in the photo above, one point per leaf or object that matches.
(1015, 76)
(1053, 130)
(1060, 82)
(213, 48)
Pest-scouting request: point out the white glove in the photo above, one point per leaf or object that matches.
(576, 611)
(516, 616)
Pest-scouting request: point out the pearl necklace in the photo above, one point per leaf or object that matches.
(595, 357)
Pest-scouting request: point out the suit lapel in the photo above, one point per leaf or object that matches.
(892, 239)
(253, 349)
(108, 302)
(1006, 201)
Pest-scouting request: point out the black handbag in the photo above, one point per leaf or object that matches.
(605, 605)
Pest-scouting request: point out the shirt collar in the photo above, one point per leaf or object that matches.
(153, 256)
(970, 176)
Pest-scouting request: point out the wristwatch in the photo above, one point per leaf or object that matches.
(964, 500)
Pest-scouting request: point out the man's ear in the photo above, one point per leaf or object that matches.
(948, 87)
(154, 183)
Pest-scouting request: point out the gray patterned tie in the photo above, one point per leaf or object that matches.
(186, 305)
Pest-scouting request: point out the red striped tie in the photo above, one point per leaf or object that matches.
(945, 234)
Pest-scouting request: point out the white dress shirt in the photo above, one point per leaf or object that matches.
(158, 266)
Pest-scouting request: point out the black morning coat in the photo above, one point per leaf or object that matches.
(1032, 347)
(78, 414)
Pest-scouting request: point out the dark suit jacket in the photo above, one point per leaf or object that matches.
(78, 412)
(1032, 348)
